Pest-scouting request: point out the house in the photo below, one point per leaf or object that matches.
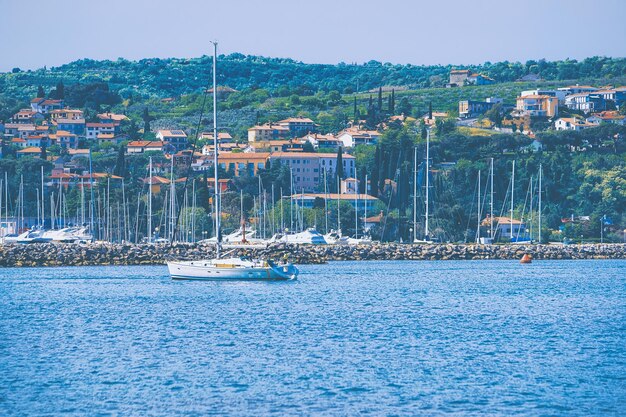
(207, 150)
(92, 130)
(19, 142)
(608, 117)
(576, 89)
(110, 138)
(586, 102)
(431, 121)
(458, 77)
(361, 202)
(45, 106)
(26, 130)
(222, 91)
(323, 141)
(276, 146)
(112, 118)
(267, 132)
(38, 141)
(350, 186)
(298, 125)
(243, 163)
(479, 79)
(571, 123)
(141, 146)
(73, 125)
(373, 221)
(176, 138)
(222, 137)
(471, 108)
(353, 136)
(27, 116)
(504, 228)
(32, 151)
(308, 168)
(66, 114)
(538, 105)
(559, 94)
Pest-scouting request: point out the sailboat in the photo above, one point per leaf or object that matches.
(234, 268)
(427, 238)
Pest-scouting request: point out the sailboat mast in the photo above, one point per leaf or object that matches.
(478, 211)
(217, 204)
(414, 193)
(43, 213)
(338, 209)
(491, 204)
(365, 207)
(149, 222)
(539, 202)
(512, 190)
(426, 231)
(356, 209)
(325, 201)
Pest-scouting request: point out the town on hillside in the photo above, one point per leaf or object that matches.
(373, 166)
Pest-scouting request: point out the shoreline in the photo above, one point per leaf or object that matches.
(100, 254)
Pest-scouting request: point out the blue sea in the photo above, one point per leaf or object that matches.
(346, 338)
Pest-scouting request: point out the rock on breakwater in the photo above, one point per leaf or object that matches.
(130, 254)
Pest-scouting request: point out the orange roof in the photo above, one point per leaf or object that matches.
(243, 155)
(296, 120)
(97, 175)
(331, 196)
(156, 180)
(112, 116)
(500, 220)
(32, 149)
(310, 155)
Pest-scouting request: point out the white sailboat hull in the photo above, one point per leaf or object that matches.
(211, 270)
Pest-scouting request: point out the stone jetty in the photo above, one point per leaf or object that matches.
(130, 254)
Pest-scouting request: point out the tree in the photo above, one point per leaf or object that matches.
(60, 91)
(380, 98)
(393, 101)
(339, 170)
(308, 147)
(40, 92)
(430, 110)
(120, 163)
(356, 118)
(146, 120)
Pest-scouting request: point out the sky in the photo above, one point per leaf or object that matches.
(39, 33)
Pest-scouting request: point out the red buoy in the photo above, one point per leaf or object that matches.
(526, 259)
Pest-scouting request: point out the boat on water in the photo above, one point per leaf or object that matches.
(336, 238)
(308, 237)
(234, 268)
(33, 235)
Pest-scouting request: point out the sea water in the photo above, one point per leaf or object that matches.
(346, 338)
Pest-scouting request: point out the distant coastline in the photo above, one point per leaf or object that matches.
(99, 254)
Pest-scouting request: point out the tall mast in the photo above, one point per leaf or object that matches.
(149, 222)
(291, 199)
(91, 204)
(43, 213)
(325, 202)
(172, 202)
(338, 209)
(478, 211)
(217, 196)
(365, 206)
(356, 208)
(491, 204)
(539, 202)
(512, 190)
(426, 231)
(414, 193)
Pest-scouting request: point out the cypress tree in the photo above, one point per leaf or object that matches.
(374, 173)
(355, 110)
(60, 91)
(339, 169)
(40, 92)
(430, 110)
(393, 101)
(380, 98)
(389, 105)
(146, 120)
(120, 163)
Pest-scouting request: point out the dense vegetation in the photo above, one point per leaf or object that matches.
(584, 172)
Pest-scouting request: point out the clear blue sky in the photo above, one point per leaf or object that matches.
(35, 33)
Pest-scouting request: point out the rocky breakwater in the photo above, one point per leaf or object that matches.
(130, 254)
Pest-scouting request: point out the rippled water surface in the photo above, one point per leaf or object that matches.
(379, 338)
